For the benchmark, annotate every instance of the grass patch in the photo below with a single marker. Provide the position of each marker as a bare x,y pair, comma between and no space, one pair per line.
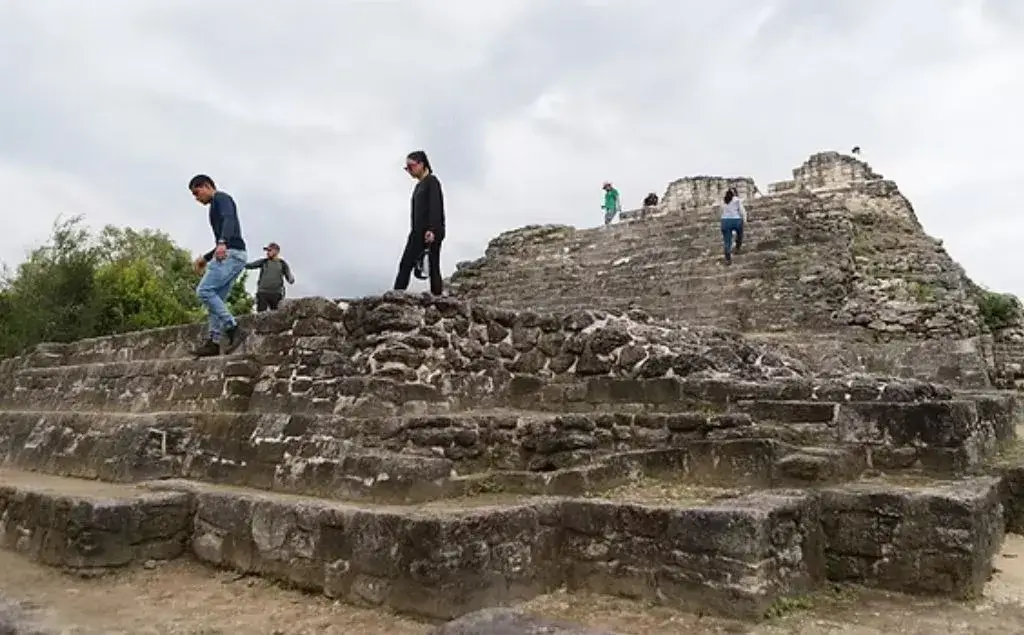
833,595
922,293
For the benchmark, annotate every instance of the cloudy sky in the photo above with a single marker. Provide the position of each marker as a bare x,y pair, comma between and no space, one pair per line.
304,110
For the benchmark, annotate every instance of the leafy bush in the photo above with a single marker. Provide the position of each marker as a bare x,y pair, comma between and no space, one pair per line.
998,310
79,285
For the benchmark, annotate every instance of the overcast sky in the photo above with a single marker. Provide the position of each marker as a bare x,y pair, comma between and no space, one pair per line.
304,110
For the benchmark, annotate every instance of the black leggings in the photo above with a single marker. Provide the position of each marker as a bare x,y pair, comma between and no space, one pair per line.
413,249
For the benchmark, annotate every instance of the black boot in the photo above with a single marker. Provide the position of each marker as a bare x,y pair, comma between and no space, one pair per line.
232,338
209,348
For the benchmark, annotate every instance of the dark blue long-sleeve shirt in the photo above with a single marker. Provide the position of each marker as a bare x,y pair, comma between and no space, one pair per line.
224,221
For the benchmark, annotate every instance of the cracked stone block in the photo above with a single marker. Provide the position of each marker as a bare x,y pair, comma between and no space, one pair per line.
113,526
938,539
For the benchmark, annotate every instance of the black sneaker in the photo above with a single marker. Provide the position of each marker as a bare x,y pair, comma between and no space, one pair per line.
231,339
209,348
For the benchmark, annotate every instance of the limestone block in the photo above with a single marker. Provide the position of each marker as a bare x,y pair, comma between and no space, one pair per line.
91,531
934,540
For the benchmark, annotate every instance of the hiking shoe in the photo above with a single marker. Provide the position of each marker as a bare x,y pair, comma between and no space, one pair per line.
232,339
209,348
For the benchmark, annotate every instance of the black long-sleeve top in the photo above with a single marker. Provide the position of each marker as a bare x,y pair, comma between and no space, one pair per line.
428,207
224,221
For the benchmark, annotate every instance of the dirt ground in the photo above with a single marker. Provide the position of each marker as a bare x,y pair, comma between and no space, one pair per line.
184,598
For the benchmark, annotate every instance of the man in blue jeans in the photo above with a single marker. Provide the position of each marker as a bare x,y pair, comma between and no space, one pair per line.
222,267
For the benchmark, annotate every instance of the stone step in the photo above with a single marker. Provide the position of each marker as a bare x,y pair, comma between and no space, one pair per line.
86,525
299,318
807,465
684,231
731,552
442,560
223,383
690,390
405,459
393,459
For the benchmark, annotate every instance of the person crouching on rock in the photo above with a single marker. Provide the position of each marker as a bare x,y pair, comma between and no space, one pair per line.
274,270
220,266
427,224
734,215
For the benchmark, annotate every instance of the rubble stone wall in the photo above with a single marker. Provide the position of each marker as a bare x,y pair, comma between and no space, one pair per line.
374,354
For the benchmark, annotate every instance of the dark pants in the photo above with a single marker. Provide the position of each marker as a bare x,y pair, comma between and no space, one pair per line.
267,300
413,249
730,225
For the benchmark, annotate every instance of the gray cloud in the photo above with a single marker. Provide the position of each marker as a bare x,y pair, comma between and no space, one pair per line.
305,110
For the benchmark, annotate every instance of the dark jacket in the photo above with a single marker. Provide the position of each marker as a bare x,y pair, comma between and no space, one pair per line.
225,224
428,207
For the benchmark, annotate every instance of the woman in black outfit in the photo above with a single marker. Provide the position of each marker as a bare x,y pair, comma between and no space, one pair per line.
427,223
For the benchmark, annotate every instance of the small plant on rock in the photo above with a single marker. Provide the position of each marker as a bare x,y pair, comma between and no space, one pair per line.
998,310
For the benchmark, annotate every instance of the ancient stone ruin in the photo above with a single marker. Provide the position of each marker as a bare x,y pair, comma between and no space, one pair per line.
444,458
838,271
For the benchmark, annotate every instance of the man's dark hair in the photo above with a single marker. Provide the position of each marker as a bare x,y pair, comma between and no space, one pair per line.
200,180
419,156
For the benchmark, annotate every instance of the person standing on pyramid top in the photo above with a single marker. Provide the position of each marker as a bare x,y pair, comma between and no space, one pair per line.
221,267
427,224
611,205
274,271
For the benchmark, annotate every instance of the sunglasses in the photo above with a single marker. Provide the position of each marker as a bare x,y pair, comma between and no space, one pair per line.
409,166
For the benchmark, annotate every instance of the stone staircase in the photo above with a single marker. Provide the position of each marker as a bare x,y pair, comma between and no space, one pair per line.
672,265
436,457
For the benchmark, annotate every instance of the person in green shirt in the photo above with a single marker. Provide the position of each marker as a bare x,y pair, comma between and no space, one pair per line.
273,273
611,206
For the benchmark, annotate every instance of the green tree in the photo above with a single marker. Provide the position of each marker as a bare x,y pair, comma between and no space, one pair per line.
78,284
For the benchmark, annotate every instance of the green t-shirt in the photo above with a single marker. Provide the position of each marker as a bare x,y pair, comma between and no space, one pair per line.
611,199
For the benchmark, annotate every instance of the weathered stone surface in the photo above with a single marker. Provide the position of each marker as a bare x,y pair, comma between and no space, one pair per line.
735,556
99,527
518,420
511,622
664,553
14,621
836,252
939,539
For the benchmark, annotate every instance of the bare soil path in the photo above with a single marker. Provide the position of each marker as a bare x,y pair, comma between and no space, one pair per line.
184,598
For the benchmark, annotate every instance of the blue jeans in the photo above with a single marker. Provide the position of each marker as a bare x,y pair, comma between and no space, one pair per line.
215,286
730,225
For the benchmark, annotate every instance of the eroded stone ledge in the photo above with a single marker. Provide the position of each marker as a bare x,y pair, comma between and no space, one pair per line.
82,525
735,554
